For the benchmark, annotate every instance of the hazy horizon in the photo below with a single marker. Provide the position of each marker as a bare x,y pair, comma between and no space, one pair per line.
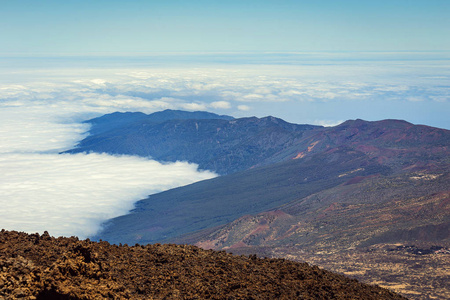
322,88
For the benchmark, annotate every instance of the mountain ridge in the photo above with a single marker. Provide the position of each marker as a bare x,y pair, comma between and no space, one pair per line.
310,193
116,119
220,145
226,146
272,162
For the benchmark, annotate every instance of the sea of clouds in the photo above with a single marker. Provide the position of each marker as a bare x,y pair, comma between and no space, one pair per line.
44,101
73,194
42,190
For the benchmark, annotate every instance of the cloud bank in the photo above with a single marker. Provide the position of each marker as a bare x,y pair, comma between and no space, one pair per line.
300,92
73,194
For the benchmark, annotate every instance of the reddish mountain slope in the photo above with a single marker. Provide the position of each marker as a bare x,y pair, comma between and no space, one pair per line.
357,228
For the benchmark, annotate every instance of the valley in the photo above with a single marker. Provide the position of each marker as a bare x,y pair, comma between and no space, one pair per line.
415,276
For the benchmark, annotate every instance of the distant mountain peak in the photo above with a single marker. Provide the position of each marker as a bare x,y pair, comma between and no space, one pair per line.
116,120
170,114
393,123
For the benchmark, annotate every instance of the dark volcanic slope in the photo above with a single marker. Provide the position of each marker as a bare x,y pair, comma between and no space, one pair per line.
116,120
216,143
226,145
41,267
364,211
297,161
223,199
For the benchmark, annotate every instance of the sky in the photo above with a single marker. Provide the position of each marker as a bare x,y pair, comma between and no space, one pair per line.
307,62
102,26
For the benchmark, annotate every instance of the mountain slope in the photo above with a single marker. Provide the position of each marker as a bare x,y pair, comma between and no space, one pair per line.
300,162
213,142
391,230
337,196
116,120
221,200
363,211
226,146
391,142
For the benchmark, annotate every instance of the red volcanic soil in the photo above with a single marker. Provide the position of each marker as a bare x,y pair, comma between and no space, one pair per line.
42,267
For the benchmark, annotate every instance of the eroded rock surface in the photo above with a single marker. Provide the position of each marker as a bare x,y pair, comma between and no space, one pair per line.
42,267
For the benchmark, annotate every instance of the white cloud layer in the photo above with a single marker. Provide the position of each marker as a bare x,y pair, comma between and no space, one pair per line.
254,89
327,123
70,194
73,194
243,107
220,104
38,129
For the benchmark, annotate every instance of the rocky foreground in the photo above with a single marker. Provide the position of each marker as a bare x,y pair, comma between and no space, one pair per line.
42,267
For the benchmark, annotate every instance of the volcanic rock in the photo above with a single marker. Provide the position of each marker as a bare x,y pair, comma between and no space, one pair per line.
34,266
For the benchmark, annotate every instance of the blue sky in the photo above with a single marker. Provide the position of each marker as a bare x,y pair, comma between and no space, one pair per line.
86,26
